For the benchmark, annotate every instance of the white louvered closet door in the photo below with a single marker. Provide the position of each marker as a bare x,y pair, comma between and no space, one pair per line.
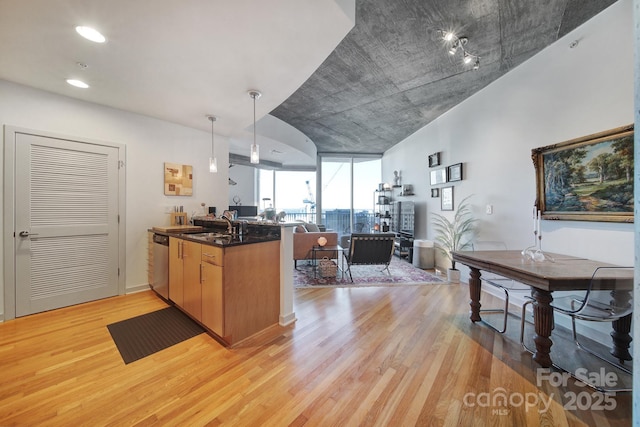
66,223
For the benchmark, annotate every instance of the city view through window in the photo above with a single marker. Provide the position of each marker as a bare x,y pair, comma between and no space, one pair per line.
295,193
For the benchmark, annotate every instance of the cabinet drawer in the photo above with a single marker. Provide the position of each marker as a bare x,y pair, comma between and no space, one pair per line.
212,255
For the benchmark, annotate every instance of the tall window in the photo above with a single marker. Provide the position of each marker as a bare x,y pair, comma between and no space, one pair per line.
290,191
336,194
295,194
347,193
367,174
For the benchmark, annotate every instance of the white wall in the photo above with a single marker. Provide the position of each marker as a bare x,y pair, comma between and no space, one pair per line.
559,94
245,189
149,143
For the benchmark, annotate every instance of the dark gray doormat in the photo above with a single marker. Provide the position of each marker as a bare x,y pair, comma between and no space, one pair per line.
149,333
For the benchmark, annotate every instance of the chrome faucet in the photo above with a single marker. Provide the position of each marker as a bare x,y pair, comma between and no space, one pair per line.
229,224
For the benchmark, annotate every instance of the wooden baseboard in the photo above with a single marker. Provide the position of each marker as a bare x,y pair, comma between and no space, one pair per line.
137,288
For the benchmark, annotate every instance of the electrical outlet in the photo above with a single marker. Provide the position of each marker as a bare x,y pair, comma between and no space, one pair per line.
489,209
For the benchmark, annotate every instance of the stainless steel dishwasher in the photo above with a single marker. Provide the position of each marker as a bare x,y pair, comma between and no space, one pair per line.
161,265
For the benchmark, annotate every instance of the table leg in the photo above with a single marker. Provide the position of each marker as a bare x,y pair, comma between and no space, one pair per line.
474,292
543,320
621,338
314,263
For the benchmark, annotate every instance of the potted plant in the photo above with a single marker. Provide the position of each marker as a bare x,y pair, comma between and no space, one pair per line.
455,235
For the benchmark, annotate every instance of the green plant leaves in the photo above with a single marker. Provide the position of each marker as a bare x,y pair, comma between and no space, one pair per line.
457,234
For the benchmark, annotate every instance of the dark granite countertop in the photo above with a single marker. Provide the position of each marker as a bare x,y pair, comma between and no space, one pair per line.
215,234
226,240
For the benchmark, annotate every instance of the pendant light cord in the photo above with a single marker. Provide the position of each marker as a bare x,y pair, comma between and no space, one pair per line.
212,119
254,156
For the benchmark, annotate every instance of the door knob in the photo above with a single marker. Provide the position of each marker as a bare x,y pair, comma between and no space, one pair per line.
26,234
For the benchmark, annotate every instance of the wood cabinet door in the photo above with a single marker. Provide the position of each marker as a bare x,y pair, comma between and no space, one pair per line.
212,298
191,256
176,272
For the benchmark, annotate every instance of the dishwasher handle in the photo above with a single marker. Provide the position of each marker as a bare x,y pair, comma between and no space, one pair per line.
161,239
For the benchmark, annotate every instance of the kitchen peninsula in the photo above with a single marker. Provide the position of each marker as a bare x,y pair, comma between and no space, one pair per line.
227,282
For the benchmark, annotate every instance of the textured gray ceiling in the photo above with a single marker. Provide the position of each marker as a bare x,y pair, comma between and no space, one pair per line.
391,75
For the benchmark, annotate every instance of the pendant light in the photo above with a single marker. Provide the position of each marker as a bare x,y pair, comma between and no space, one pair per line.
213,162
255,150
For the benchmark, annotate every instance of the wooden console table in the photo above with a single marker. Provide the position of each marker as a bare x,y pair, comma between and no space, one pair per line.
563,274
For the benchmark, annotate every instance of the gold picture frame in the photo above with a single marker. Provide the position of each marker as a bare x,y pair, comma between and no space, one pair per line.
588,178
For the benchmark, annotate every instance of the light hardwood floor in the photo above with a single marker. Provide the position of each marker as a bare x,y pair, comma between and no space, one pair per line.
398,356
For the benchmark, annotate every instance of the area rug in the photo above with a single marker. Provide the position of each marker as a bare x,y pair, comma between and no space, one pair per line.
149,333
402,273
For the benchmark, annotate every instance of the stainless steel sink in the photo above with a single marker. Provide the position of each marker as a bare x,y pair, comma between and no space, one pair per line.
210,237
207,235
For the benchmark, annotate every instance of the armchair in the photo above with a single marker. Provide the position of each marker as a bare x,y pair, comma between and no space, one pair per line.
370,249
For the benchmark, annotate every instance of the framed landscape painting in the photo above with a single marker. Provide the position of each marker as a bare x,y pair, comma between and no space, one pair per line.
588,178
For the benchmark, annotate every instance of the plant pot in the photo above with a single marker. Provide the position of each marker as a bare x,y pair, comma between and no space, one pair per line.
453,275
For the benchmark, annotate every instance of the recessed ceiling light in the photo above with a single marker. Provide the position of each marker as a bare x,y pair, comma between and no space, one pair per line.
91,34
77,83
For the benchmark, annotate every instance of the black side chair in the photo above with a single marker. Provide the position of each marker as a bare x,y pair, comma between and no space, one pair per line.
609,297
370,249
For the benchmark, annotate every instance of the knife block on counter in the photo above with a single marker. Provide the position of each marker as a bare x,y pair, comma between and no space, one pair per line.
178,218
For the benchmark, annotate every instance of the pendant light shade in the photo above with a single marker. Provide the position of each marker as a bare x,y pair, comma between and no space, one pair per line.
213,162
255,149
255,153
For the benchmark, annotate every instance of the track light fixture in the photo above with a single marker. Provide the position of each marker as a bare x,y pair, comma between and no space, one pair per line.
456,44
255,150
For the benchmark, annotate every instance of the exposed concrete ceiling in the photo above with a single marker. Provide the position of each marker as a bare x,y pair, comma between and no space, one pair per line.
392,75
389,75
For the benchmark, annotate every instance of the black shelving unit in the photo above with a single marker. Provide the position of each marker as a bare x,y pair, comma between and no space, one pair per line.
382,210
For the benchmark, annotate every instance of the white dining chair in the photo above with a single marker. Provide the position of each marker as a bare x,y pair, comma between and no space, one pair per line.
609,297
504,284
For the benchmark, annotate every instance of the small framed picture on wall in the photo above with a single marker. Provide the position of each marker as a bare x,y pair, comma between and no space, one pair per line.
435,192
454,172
438,176
434,160
446,199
